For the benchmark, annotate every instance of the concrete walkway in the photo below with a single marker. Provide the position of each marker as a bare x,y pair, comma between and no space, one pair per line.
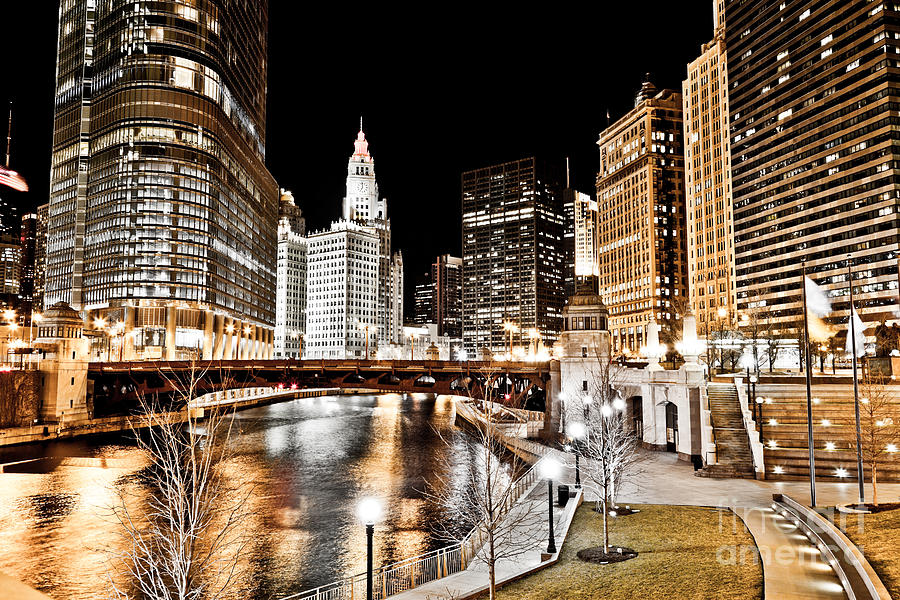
792,567
532,531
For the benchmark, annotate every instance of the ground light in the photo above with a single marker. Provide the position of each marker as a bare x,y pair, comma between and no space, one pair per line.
369,511
549,470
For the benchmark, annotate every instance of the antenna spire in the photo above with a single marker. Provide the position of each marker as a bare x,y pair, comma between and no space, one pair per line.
360,122
9,134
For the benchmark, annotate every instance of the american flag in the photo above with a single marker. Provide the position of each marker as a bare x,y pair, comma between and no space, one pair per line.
13,180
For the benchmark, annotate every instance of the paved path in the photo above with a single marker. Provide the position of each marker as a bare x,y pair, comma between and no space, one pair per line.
531,531
792,567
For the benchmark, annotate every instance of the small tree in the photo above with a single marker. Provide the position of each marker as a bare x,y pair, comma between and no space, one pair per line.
880,433
185,544
608,444
483,498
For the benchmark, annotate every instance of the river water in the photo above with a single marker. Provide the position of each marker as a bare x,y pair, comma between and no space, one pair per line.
310,462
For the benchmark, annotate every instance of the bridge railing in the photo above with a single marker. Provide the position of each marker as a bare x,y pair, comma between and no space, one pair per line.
412,572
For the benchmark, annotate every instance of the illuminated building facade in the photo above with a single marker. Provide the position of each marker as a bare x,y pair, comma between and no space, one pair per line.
342,291
40,255
162,213
345,296
640,198
27,244
438,297
707,156
513,258
290,291
813,96
587,247
568,210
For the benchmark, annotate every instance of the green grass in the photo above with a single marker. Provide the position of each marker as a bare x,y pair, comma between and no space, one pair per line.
682,553
878,540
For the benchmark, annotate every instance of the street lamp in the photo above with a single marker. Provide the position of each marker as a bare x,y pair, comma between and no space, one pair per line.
577,431
722,313
550,470
534,335
587,406
368,511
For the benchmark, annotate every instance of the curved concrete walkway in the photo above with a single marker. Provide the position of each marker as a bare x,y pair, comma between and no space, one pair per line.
792,567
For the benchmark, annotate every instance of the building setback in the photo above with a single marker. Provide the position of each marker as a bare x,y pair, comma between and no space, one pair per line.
162,213
710,219
512,255
814,89
640,197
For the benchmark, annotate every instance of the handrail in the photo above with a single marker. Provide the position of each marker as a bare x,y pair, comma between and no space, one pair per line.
415,571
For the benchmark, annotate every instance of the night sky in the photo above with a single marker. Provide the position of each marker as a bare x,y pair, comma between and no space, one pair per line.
440,92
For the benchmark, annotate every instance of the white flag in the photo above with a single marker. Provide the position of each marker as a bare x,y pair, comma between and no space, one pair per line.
816,300
859,340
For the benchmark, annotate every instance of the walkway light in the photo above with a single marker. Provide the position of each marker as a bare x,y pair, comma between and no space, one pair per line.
368,511
829,446
606,410
549,469
576,431
619,404
826,423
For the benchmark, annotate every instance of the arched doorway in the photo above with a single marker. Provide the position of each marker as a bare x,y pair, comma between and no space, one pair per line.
671,427
636,414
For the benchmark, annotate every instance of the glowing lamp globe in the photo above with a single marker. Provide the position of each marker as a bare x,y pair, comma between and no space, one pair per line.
606,409
619,404
577,430
550,468
368,510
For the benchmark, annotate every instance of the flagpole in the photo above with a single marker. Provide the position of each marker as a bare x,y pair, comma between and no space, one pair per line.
860,474
809,425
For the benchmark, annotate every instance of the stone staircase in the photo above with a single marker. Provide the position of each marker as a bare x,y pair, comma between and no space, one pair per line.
735,459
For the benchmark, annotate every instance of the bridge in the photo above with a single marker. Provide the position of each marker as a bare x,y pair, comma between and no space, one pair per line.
114,386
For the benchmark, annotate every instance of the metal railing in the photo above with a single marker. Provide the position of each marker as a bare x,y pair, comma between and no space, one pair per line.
412,572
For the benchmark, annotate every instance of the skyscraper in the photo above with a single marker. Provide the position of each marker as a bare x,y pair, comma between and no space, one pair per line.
354,280
438,297
707,166
640,197
162,212
512,240
291,287
27,243
587,248
813,96
40,255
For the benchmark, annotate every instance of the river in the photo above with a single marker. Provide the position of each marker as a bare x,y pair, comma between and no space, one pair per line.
310,461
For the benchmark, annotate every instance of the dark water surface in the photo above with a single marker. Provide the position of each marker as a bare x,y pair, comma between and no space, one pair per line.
310,460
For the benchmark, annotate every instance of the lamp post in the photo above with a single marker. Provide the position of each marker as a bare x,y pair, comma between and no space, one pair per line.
368,511
759,402
587,406
577,431
550,471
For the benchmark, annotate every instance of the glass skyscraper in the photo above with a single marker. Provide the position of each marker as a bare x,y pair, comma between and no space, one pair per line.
162,212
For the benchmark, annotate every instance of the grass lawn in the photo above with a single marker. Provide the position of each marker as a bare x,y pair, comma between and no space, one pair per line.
878,539
678,557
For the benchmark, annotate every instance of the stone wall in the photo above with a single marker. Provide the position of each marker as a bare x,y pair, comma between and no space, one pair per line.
20,398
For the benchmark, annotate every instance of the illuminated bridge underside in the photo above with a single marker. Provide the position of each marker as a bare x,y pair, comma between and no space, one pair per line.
122,383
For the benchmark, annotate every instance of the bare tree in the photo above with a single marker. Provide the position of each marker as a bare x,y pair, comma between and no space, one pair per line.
880,434
609,444
184,543
484,500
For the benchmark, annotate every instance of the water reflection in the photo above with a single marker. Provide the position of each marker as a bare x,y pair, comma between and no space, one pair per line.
309,462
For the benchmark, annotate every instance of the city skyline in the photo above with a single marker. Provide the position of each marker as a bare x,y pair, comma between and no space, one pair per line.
407,117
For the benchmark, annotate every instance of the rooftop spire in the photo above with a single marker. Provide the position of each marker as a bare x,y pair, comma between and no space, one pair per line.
361,146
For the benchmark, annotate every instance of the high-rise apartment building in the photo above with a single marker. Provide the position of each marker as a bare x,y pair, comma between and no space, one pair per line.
27,242
512,236
640,198
291,286
707,167
813,94
568,211
340,306
40,255
162,212
424,300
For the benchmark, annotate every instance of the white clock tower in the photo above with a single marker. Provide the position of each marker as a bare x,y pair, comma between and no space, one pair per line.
361,201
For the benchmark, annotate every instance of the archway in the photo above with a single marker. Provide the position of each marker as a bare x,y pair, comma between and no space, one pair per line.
671,427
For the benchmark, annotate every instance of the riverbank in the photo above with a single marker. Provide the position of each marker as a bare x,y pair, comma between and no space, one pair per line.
235,399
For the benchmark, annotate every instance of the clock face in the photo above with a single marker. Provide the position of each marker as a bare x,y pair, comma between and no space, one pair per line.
362,187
